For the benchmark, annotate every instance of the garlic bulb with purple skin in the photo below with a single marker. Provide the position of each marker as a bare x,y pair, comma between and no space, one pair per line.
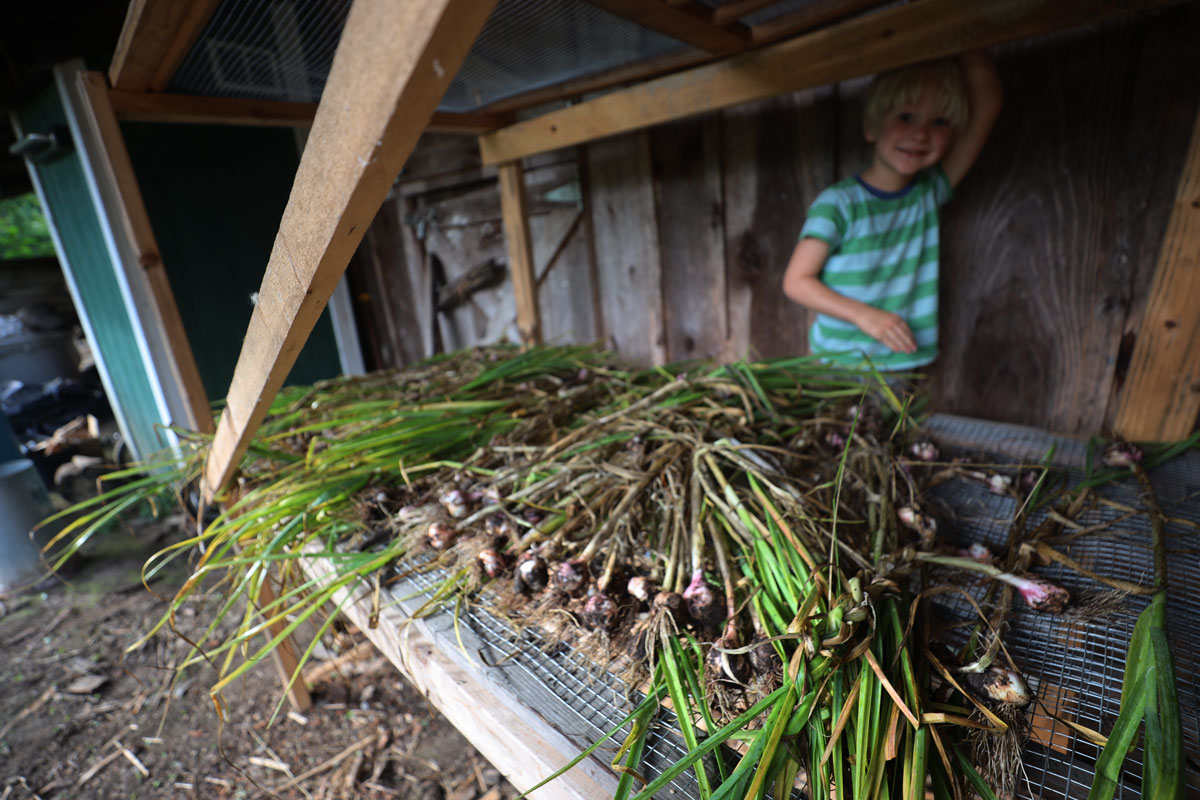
925,525
571,577
999,484
491,561
924,450
641,588
670,603
1040,595
532,573
1000,684
440,535
705,605
455,503
599,612
1121,454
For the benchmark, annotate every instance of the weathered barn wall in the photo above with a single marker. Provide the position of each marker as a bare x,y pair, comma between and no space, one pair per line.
684,231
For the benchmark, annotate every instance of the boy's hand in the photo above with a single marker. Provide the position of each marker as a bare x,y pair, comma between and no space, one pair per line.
887,328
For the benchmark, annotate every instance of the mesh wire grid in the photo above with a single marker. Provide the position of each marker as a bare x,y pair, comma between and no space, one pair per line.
1076,667
283,50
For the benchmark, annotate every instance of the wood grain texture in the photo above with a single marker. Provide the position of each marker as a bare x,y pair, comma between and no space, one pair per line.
1161,396
882,40
514,210
1043,258
154,40
778,156
159,107
691,224
391,69
166,337
484,704
680,23
627,251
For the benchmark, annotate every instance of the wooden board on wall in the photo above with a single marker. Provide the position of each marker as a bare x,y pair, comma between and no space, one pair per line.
687,189
621,204
1046,256
778,154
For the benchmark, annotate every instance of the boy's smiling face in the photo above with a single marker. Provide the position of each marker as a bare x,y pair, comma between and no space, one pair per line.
911,137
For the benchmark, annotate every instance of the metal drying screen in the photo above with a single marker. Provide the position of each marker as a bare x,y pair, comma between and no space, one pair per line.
1076,667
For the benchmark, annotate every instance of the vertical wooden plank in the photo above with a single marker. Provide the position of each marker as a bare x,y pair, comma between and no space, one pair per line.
566,285
392,67
778,154
283,655
687,181
621,206
136,244
1161,396
520,250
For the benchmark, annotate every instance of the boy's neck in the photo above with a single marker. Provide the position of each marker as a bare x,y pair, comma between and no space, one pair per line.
880,176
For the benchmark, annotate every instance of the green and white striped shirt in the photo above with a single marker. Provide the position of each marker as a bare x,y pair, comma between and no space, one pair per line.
883,251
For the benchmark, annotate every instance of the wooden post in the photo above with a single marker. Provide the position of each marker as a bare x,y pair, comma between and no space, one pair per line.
393,64
1161,396
284,655
520,250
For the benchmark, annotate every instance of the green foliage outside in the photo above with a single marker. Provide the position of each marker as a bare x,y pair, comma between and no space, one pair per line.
23,229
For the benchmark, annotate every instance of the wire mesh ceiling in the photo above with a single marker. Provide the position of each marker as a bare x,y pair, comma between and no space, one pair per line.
252,49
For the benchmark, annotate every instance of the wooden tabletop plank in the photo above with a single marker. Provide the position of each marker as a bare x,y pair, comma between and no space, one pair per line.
886,39
392,66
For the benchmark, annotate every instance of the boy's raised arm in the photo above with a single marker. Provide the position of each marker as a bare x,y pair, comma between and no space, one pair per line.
986,95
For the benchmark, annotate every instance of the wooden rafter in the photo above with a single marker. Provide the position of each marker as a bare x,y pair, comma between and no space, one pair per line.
154,41
688,23
736,9
883,40
181,108
393,64
808,17
1161,396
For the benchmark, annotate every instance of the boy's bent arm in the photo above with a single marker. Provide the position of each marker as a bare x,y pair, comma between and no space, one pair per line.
802,284
985,95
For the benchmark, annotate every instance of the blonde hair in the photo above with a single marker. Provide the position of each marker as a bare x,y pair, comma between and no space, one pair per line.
899,87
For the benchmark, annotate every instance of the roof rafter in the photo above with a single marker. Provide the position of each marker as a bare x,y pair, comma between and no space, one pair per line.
688,22
154,41
886,39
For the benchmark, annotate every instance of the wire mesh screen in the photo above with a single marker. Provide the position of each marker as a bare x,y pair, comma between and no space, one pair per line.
284,50
1075,665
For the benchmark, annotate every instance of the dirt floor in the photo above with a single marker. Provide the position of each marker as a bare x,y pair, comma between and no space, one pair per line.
81,718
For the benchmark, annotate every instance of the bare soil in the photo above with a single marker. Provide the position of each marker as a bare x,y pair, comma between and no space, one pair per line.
82,718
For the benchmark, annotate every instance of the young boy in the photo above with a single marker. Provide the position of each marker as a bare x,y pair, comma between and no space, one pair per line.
867,259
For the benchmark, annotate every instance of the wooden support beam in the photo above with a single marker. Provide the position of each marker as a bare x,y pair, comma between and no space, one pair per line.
808,17
736,9
154,41
1161,396
184,108
889,38
283,655
172,353
682,23
392,66
520,250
